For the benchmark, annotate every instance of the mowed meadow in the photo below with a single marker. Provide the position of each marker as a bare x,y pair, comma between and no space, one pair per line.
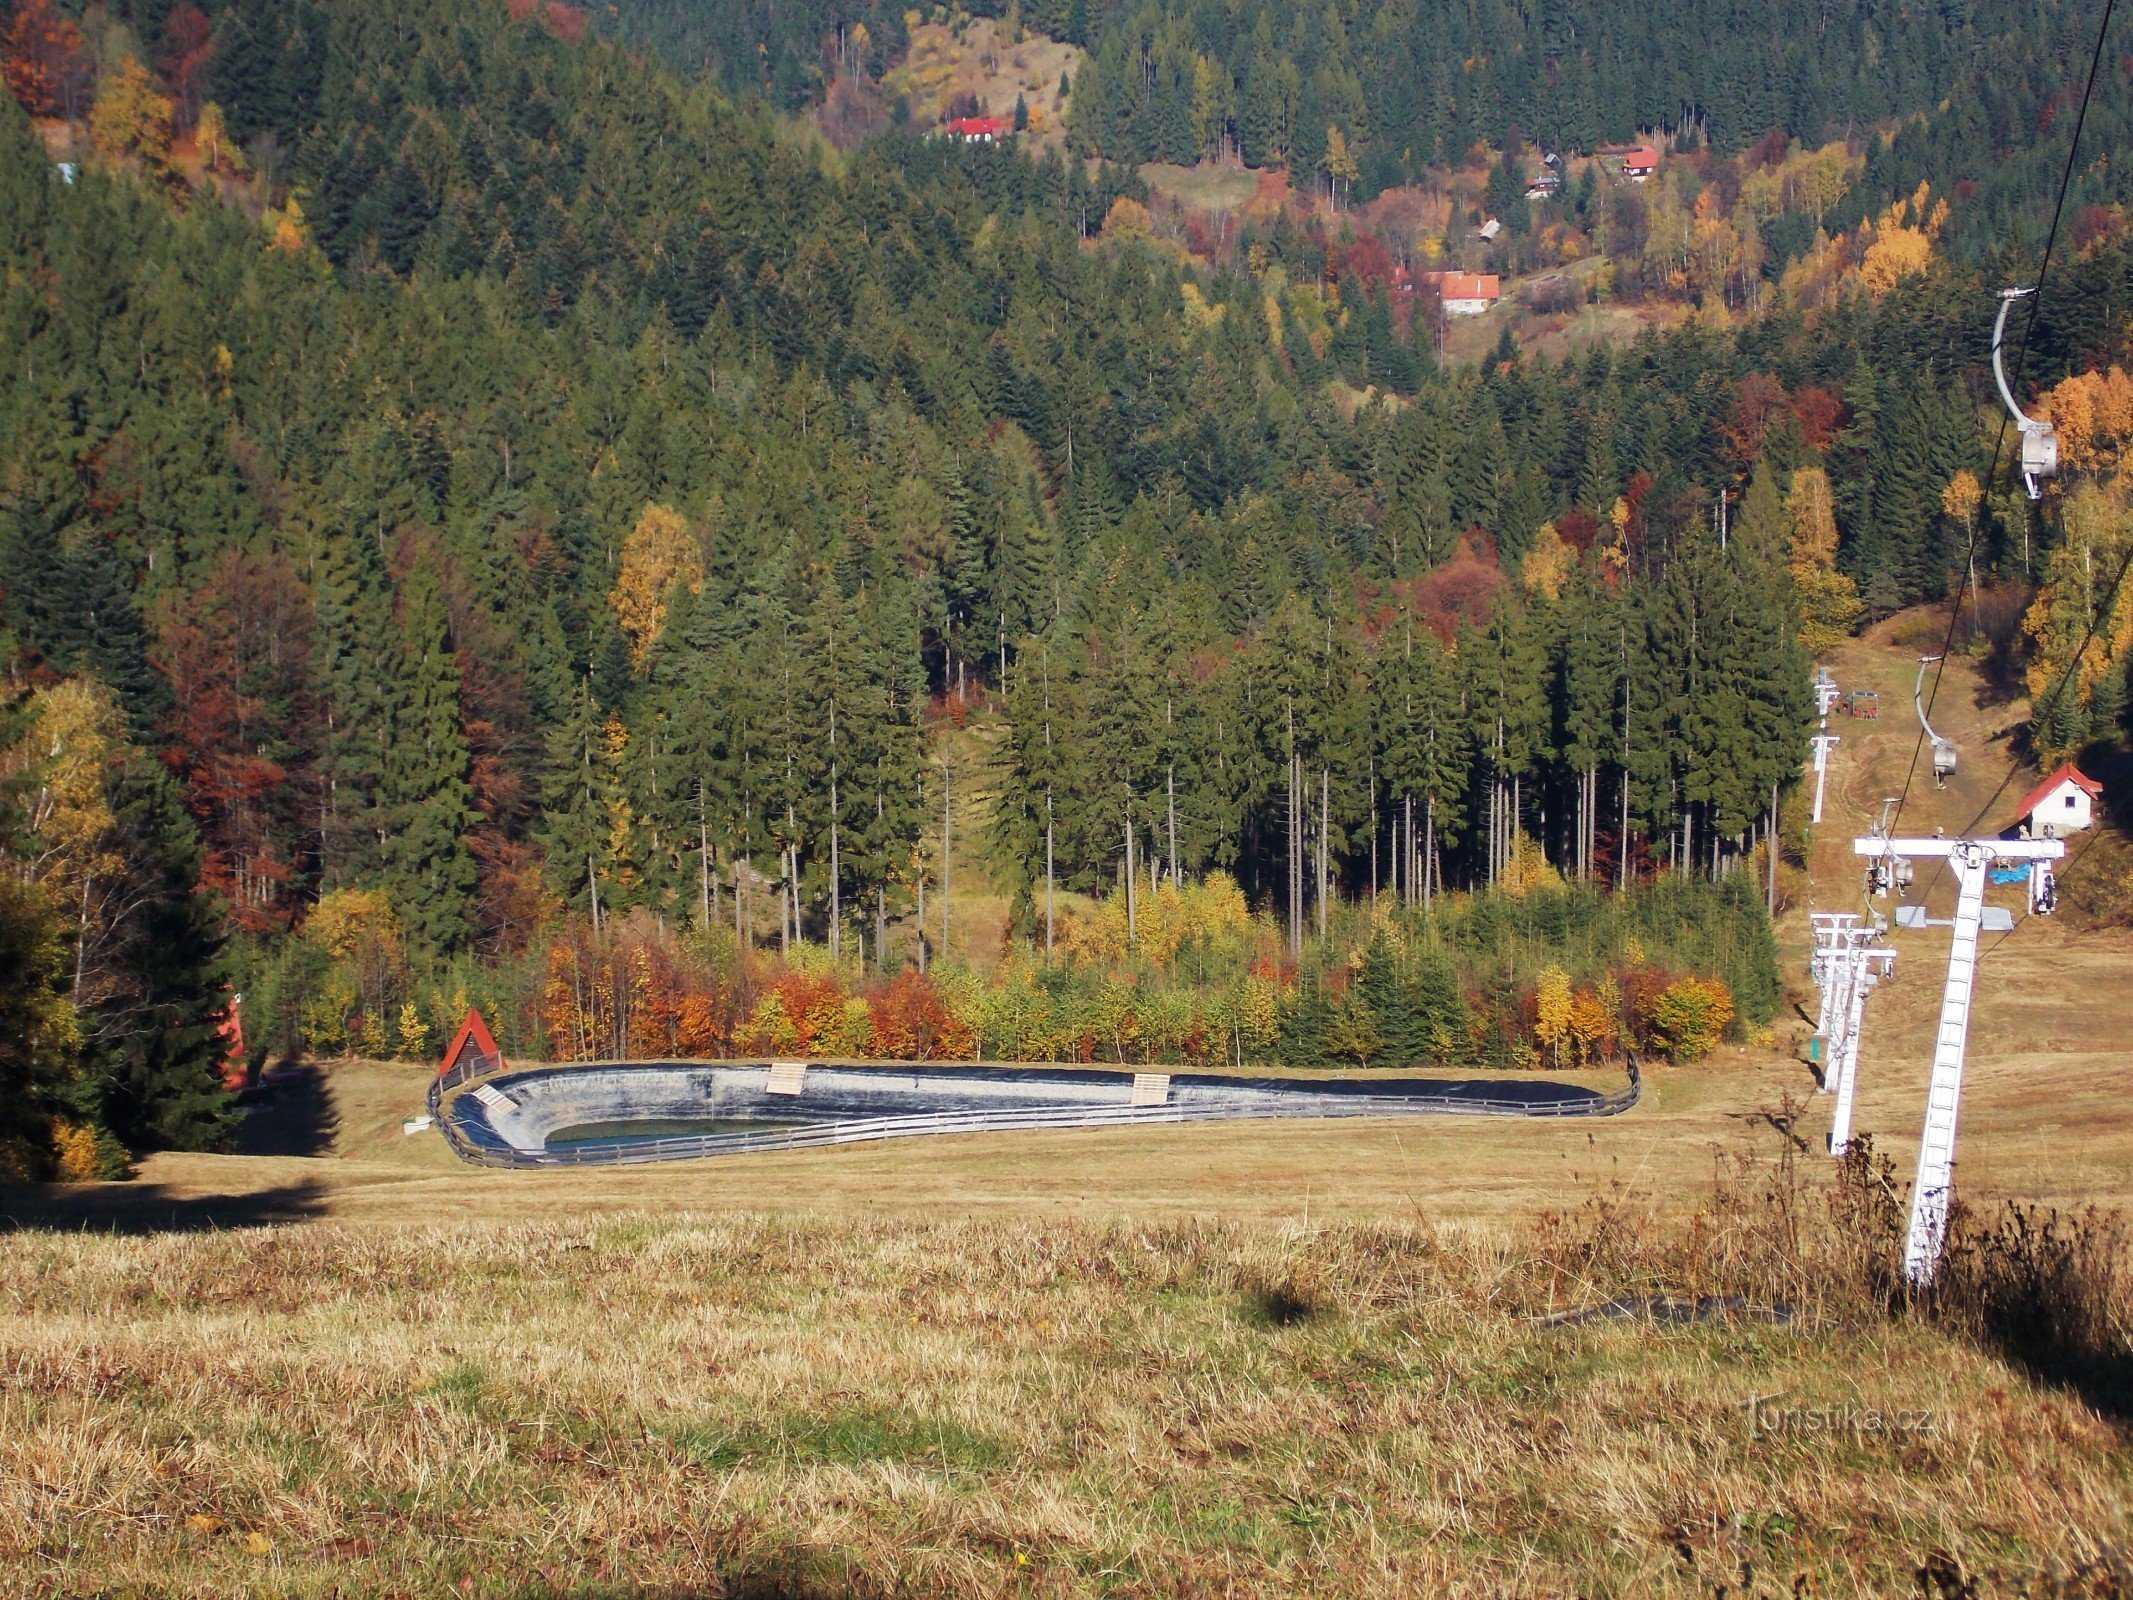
670,1404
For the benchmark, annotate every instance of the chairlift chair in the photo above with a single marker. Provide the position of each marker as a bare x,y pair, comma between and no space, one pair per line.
2040,446
1943,749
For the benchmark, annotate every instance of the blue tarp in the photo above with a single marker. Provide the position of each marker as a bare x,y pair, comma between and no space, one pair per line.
2010,874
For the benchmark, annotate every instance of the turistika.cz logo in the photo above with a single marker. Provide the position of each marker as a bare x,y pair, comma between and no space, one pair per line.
1772,1416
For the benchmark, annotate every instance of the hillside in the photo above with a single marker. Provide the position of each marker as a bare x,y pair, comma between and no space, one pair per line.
615,517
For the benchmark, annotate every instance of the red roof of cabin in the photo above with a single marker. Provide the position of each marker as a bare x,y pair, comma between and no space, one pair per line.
473,1035
2067,773
1464,285
977,127
1643,156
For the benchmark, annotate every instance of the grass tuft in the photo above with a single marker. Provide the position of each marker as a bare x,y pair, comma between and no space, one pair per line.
1283,1304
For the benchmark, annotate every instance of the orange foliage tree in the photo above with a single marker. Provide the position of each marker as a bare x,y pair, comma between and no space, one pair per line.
912,1022
41,58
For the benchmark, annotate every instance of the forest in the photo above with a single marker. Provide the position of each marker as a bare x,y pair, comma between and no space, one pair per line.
486,515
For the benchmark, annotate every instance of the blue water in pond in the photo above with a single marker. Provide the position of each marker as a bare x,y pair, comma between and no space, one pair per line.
605,1133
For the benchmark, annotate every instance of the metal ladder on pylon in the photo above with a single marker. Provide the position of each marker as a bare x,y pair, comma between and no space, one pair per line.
1936,1145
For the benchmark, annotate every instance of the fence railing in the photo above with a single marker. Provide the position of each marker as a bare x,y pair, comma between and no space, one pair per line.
861,1130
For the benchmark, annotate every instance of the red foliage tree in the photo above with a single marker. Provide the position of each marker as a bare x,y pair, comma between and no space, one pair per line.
238,654
1757,403
1819,414
187,43
1463,589
42,59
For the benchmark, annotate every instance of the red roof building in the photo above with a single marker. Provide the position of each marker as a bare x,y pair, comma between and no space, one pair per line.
2063,803
1465,294
976,130
1640,163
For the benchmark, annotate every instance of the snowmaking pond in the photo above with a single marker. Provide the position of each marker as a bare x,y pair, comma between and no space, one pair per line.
630,1111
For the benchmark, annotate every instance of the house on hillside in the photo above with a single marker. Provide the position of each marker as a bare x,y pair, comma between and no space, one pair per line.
1543,185
2063,803
975,130
1465,294
1640,163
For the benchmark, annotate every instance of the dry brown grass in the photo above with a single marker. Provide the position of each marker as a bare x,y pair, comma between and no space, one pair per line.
749,1404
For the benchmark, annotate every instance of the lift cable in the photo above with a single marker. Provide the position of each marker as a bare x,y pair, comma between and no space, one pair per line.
2036,301
2066,673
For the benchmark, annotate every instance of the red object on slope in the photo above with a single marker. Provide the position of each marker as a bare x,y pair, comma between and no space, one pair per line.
472,1039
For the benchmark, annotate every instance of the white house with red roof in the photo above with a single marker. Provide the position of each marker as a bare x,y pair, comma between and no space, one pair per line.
2063,803
1640,163
976,130
1465,294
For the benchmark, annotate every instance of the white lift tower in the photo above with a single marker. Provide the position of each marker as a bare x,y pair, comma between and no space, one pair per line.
1826,696
1971,861
1847,963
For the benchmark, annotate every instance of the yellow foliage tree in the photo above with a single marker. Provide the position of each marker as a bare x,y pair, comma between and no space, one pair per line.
1829,600
211,137
414,1033
73,740
1892,255
660,552
287,231
2076,583
130,118
1127,219
1547,565
1552,1011
344,920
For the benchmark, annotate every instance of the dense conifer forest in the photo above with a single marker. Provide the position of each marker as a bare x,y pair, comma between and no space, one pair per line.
487,514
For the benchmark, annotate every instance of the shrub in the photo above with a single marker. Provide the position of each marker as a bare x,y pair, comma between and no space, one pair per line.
910,1021
1687,1018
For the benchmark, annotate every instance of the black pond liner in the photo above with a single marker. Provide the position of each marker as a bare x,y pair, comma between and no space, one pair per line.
583,1115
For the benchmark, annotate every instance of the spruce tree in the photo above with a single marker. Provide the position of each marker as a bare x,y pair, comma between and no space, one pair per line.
427,798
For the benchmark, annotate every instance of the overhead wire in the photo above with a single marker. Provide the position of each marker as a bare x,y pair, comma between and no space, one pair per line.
2029,323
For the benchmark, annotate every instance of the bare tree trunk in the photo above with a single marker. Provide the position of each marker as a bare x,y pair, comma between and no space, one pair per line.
1048,874
836,861
1132,881
1171,781
947,845
1622,844
1325,844
1429,850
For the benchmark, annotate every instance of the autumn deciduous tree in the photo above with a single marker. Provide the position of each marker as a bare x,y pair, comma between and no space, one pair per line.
659,552
41,58
132,117
238,654
211,137
2092,412
1829,599
188,41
